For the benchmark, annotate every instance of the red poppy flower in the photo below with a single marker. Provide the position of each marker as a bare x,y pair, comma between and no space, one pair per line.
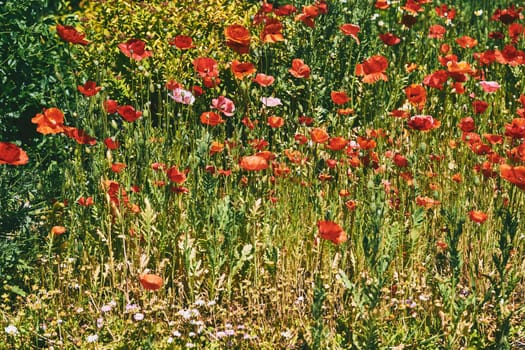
128,113
197,91
493,138
436,31
295,156
11,154
366,143
71,35
445,12
111,143
80,136
268,155
206,67
253,163
50,122
110,106
175,175
373,69
308,14
515,175
400,160
216,147
182,42
242,69
150,281
382,4
479,106
517,154
399,113
389,39
466,42
211,118
477,216
319,135
272,31
436,80
85,202
275,122
416,95
285,10
515,31
516,129
337,143
134,49
351,204
238,38
351,30
467,124
331,231
299,69
423,122
117,167
90,88
339,97
508,15
413,6
263,79
305,120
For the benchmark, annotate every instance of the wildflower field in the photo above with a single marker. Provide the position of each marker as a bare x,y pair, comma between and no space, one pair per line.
235,174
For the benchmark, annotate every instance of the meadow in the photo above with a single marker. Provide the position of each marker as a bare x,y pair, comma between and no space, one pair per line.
302,174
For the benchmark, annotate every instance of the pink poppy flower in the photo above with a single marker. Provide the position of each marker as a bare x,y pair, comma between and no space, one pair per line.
224,105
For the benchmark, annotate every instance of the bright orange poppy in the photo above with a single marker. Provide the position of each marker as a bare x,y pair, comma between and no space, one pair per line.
216,147
275,121
150,281
58,230
253,163
466,42
118,167
416,95
477,216
211,118
319,135
513,174
272,31
516,129
373,69
50,122
337,143
238,38
331,231
339,97
242,69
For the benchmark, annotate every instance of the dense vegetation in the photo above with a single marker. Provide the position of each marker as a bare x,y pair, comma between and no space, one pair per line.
235,174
